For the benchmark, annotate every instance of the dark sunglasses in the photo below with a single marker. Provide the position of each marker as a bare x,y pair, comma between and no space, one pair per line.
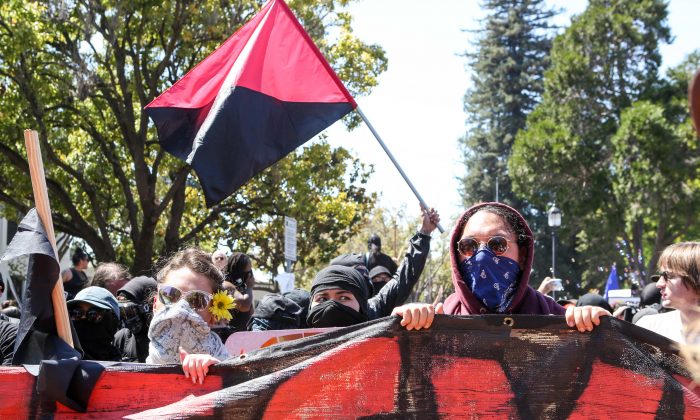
469,245
197,299
91,315
667,275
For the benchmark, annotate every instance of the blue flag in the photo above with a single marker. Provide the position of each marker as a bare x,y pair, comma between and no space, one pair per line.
612,282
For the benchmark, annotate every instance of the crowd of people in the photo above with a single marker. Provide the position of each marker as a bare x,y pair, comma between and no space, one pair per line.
196,299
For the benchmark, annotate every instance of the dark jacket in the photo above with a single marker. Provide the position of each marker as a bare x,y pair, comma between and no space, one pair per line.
526,300
398,289
374,260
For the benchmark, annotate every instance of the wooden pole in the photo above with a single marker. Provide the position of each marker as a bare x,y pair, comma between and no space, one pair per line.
43,208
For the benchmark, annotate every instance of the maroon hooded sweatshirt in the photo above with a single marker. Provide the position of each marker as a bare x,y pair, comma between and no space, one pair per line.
526,300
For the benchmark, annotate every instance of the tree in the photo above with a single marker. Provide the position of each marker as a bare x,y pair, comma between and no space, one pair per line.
395,227
510,58
611,140
81,71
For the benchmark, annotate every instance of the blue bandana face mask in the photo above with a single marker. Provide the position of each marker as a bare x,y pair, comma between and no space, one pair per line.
493,279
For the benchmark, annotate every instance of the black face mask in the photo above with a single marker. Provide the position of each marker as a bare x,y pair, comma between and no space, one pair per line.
96,338
332,313
377,286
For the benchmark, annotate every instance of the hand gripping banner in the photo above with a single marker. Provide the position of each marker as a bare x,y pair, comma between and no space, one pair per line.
523,366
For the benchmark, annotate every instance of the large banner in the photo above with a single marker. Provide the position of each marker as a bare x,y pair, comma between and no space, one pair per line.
485,366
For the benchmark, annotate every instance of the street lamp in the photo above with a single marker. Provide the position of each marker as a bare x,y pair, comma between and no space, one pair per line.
554,221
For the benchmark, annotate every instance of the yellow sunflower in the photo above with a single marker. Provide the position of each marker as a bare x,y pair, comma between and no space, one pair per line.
221,303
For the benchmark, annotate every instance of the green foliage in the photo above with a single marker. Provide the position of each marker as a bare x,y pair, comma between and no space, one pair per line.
80,72
510,58
611,141
395,227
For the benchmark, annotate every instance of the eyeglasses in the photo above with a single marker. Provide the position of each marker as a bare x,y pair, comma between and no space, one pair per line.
197,299
93,315
666,275
469,245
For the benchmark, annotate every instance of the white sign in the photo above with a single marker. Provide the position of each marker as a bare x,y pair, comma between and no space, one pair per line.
285,281
290,239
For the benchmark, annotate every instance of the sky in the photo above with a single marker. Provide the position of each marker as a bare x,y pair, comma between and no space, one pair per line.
417,107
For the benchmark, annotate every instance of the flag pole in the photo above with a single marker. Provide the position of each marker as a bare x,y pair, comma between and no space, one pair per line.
43,209
393,160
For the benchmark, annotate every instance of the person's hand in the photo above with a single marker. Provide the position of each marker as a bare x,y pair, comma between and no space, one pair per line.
547,285
415,316
620,312
584,318
196,366
431,219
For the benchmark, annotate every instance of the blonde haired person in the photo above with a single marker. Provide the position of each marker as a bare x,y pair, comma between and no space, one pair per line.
679,282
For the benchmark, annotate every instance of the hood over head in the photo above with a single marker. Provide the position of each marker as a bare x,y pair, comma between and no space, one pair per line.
525,300
139,289
341,277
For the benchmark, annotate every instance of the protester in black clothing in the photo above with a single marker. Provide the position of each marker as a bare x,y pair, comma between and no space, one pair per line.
238,277
74,278
95,315
136,309
375,257
340,295
379,276
8,335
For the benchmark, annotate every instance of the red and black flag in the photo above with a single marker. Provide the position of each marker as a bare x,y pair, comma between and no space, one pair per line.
261,94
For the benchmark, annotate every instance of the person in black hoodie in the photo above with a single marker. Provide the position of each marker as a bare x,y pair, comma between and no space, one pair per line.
95,316
136,308
340,295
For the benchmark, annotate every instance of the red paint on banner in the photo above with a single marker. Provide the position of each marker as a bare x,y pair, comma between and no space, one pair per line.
118,394
471,388
16,389
358,380
620,393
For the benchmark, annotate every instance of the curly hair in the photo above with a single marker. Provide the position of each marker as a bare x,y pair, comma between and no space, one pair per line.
196,260
514,223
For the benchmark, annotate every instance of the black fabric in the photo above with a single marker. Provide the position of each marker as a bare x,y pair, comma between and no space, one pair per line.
332,313
251,132
77,283
380,259
349,260
302,298
97,339
650,295
131,347
8,336
139,289
280,308
397,290
345,278
594,299
63,377
356,261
